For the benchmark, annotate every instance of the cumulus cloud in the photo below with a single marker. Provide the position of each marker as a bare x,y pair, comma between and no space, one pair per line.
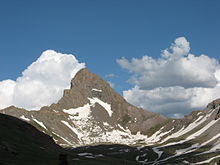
42,83
175,68
6,92
175,83
112,85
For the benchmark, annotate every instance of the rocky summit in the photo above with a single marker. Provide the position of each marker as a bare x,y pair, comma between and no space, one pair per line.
92,113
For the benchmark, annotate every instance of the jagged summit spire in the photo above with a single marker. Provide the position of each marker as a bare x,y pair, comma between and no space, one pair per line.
88,85
84,76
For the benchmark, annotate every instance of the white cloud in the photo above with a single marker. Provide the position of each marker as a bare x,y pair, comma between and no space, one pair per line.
180,48
172,100
6,92
112,85
110,75
175,83
42,83
172,69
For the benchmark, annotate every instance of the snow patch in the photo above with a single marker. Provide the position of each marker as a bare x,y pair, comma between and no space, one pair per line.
24,118
62,139
209,160
103,104
158,135
97,90
79,134
80,112
208,141
193,136
105,124
121,127
216,147
159,153
184,130
84,112
40,123
187,150
55,111
199,118
199,113
85,154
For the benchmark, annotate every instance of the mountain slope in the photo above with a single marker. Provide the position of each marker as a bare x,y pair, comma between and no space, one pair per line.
195,139
91,112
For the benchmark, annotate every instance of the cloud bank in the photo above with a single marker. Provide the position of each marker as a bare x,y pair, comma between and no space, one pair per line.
174,84
42,83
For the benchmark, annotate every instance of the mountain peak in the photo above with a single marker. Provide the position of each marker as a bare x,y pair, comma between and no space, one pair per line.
87,85
92,112
85,79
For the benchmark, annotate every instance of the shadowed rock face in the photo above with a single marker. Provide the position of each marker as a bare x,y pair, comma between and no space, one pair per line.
89,109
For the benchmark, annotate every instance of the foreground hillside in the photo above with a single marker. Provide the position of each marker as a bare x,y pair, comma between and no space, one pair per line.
21,144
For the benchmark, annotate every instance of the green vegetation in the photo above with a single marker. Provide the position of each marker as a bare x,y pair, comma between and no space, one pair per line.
152,130
126,119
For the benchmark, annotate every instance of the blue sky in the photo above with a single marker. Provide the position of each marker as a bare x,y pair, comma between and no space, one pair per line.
99,32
